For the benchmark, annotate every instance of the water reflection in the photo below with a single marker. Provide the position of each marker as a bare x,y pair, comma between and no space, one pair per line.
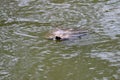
26,55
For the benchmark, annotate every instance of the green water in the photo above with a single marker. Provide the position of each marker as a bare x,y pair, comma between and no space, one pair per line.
26,55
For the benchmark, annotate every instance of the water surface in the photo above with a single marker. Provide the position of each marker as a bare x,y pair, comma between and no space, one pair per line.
26,55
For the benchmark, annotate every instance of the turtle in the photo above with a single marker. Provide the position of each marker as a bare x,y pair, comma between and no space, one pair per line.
65,34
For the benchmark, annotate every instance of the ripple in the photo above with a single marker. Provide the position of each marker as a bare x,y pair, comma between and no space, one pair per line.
110,21
110,56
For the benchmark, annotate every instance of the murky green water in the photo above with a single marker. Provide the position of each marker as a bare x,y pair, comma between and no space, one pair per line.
26,55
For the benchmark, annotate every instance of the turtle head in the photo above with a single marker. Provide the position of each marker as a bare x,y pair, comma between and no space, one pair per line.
57,38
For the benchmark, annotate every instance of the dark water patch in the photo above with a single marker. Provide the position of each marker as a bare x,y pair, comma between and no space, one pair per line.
56,1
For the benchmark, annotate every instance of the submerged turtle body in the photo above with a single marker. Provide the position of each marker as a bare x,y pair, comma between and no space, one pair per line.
62,34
